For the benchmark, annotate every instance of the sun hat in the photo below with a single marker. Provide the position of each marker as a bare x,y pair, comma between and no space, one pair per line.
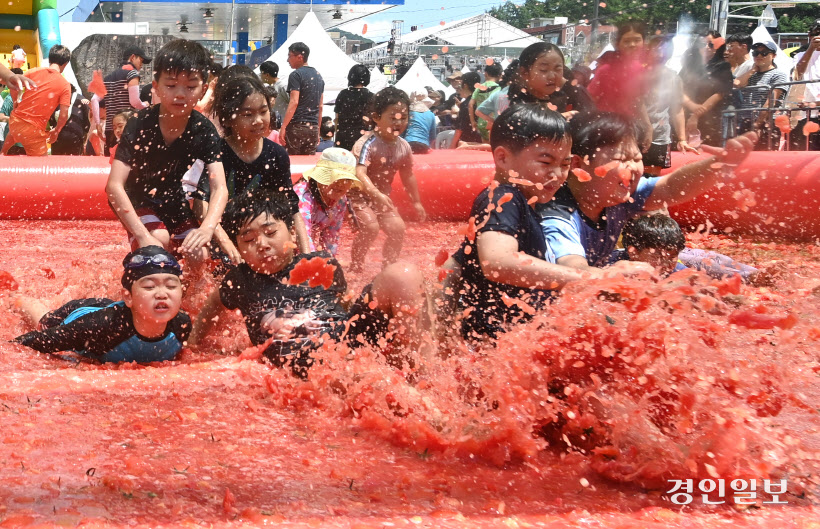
334,164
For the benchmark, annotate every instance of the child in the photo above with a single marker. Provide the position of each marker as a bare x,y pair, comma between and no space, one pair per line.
606,188
659,241
322,193
380,154
146,326
275,117
18,56
157,147
465,129
118,125
421,127
252,162
508,262
295,316
327,131
492,73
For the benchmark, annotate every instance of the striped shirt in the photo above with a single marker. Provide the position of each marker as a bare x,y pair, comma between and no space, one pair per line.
383,159
116,100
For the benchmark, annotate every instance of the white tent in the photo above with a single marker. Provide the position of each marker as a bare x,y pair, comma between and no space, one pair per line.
377,80
784,62
419,76
330,61
505,62
466,69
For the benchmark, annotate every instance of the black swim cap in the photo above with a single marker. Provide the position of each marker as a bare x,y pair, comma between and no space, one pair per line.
147,261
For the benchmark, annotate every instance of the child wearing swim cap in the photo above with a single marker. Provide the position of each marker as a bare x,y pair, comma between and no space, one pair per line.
146,326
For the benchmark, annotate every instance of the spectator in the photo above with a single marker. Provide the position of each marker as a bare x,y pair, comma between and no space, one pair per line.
118,126
492,73
707,85
762,75
738,47
498,102
71,140
18,57
464,127
351,107
6,106
421,129
269,73
123,93
31,114
326,131
582,75
206,104
664,107
275,118
300,126
807,68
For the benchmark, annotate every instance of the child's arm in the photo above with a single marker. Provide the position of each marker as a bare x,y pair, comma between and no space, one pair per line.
692,179
225,242
485,117
302,239
219,197
456,139
371,190
124,208
412,188
206,318
292,104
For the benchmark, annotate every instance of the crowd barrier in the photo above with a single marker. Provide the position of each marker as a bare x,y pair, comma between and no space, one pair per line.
772,193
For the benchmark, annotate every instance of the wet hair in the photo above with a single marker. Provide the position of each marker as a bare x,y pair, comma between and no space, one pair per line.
300,48
387,97
270,68
741,38
125,114
494,70
630,26
59,55
231,98
328,128
601,129
246,206
470,79
182,56
519,127
237,71
658,232
358,75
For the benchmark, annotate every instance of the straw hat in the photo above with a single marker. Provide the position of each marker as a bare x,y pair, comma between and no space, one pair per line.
334,164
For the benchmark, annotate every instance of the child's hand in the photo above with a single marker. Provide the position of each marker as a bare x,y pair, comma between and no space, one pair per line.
736,150
383,201
196,239
52,136
630,268
282,328
230,250
420,213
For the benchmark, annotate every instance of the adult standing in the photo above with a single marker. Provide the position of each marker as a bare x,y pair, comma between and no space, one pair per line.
269,73
123,87
738,48
71,140
762,75
707,85
300,126
807,68
351,107
27,125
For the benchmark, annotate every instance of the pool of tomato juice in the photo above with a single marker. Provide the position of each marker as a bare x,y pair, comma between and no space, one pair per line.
576,419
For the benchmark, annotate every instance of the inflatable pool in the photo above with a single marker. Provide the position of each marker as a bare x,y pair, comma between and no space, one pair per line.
773,193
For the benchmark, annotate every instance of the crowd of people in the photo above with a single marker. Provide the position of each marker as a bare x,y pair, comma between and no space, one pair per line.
201,181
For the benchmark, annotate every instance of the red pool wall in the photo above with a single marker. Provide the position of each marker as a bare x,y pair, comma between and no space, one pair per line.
786,187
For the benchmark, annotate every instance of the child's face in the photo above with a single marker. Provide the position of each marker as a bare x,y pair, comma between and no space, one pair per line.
157,297
611,189
662,260
544,163
334,192
266,245
393,121
545,76
631,42
252,120
179,92
118,126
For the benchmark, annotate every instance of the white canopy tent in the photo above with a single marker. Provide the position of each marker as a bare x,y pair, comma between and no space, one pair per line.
377,80
330,61
420,76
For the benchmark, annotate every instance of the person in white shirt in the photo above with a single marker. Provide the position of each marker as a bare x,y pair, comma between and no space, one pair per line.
738,47
807,68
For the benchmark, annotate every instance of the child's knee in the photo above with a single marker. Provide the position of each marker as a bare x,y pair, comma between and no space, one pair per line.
368,230
394,227
399,282
162,236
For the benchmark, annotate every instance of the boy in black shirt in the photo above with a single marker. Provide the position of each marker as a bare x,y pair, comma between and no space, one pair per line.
464,127
158,146
292,319
147,326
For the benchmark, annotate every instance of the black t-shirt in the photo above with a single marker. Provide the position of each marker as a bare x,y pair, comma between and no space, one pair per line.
104,330
351,106
155,180
568,97
468,133
256,295
269,172
516,218
310,86
78,123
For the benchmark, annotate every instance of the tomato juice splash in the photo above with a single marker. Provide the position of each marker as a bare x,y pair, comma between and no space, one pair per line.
626,383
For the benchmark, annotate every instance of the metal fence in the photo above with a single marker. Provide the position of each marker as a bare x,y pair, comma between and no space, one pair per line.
733,117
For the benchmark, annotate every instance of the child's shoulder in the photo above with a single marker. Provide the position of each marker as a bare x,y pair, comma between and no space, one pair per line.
273,149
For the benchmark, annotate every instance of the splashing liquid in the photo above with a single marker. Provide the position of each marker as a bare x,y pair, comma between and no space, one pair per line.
577,417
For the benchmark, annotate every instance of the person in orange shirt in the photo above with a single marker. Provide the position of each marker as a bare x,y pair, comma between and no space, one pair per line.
33,108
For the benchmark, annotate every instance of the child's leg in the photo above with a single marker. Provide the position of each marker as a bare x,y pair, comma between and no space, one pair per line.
399,292
367,229
394,227
31,309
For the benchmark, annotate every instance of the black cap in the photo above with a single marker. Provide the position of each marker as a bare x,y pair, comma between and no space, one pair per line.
135,50
147,261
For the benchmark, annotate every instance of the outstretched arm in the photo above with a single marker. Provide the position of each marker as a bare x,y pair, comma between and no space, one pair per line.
206,318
